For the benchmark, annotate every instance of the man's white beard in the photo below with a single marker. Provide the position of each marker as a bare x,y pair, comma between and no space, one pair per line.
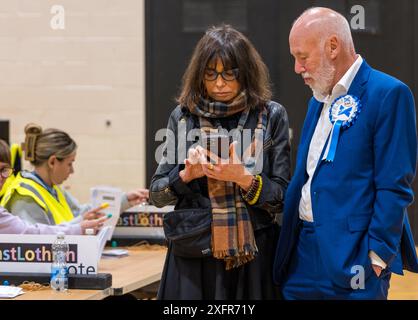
322,79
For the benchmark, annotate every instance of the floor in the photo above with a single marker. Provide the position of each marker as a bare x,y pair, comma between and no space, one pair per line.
404,287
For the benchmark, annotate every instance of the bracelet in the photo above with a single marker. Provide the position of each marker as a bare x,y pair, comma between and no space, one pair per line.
248,195
258,192
252,195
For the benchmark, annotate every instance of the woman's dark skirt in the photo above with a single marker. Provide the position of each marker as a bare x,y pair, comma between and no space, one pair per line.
207,279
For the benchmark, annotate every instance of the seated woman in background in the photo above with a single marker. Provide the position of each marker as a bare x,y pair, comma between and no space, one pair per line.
36,196
16,165
10,224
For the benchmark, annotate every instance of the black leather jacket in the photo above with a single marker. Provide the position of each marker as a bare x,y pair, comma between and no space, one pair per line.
168,189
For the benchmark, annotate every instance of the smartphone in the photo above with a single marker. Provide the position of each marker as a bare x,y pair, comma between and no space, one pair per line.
218,144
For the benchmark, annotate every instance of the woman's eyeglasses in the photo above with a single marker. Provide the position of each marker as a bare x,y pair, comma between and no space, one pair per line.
227,75
6,172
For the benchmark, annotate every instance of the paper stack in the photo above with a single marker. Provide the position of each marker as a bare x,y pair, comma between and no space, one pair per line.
10,292
111,196
115,253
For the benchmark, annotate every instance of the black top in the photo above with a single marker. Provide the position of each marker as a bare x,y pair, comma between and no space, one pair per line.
206,277
167,188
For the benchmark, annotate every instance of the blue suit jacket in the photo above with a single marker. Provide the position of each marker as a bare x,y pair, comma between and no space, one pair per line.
359,201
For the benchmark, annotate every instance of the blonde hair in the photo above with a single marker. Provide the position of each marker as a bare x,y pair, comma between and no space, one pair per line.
40,145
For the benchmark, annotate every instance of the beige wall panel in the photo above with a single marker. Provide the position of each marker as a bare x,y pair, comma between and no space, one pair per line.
88,79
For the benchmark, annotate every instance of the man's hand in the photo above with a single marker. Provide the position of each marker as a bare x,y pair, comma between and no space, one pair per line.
377,269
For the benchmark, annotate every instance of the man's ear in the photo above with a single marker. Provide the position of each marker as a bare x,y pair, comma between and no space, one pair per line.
334,47
51,161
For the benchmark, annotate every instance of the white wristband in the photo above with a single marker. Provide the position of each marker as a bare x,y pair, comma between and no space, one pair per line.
89,232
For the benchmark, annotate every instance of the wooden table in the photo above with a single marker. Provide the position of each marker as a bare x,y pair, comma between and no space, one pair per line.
71,294
139,269
404,287
136,271
142,268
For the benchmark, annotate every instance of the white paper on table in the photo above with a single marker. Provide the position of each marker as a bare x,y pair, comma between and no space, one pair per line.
105,234
115,252
10,292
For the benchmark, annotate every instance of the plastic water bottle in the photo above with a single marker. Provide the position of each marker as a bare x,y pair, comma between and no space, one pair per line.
59,270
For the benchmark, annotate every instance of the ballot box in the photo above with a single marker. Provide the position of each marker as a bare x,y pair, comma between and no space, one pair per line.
29,253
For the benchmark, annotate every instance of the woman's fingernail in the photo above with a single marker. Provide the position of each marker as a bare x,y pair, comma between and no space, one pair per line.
104,205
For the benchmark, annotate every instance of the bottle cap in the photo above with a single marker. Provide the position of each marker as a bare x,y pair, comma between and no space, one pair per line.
5,283
114,244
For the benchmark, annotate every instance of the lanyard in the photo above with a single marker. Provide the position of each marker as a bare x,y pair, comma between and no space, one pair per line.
42,182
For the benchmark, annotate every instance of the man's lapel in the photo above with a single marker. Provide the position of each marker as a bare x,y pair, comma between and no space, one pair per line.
356,89
312,119
359,82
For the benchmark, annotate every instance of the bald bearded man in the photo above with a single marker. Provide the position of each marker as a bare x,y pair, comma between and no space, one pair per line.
345,225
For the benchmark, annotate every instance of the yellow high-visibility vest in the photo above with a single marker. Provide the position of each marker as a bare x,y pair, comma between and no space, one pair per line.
59,211
16,160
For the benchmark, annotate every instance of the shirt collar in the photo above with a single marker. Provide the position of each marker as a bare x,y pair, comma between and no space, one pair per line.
344,84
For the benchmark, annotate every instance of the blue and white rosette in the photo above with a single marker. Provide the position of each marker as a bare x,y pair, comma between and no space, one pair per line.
342,114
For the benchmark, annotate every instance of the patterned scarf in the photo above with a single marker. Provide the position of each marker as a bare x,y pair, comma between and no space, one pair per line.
215,109
232,232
